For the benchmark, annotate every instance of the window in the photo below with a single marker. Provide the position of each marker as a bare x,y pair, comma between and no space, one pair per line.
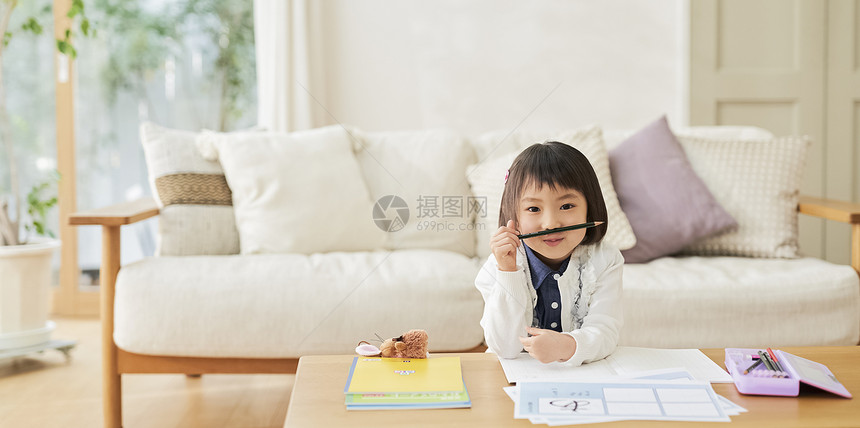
183,64
28,81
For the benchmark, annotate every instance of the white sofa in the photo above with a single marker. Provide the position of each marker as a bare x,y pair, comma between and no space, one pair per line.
217,312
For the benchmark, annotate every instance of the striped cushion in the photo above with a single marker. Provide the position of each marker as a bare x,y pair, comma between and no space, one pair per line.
196,203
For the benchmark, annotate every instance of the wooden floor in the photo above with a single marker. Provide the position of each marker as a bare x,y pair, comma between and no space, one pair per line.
44,391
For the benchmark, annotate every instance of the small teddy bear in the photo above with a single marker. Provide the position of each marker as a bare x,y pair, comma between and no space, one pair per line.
412,344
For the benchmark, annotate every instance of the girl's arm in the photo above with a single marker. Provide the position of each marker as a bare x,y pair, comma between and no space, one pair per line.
507,308
598,335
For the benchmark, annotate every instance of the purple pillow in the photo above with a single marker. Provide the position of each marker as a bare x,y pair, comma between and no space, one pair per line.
668,205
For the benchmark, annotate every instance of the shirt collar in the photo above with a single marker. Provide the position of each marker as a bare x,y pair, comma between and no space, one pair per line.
539,270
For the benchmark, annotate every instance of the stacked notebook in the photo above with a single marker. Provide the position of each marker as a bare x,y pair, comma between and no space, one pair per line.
393,383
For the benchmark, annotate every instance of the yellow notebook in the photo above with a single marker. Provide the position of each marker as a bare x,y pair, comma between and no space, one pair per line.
370,375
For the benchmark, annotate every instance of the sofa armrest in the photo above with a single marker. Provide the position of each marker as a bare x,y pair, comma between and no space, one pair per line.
845,212
111,219
117,215
830,209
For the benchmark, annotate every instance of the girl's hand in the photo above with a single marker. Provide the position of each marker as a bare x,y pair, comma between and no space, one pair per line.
548,345
504,245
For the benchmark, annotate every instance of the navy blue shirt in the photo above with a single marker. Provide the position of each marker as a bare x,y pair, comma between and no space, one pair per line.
545,280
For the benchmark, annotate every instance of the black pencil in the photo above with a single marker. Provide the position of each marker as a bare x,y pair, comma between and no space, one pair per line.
561,229
766,359
754,365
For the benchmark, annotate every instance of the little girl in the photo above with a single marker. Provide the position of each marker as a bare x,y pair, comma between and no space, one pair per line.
557,296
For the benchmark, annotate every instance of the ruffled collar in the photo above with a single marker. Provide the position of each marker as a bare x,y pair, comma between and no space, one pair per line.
587,282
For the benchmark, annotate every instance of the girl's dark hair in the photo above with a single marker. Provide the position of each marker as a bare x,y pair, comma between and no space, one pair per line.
556,165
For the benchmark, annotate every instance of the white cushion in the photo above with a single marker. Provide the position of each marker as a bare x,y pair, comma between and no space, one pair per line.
296,193
196,213
758,183
487,179
289,305
427,171
614,137
717,302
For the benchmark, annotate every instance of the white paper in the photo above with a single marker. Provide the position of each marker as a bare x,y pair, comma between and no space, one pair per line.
561,407
700,410
621,409
676,396
524,367
730,407
629,394
624,361
564,421
630,359
678,374
561,402
625,410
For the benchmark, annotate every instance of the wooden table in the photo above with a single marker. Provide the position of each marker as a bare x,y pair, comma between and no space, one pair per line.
318,401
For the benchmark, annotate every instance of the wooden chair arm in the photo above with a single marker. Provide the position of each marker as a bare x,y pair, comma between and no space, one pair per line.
845,212
831,209
111,219
117,215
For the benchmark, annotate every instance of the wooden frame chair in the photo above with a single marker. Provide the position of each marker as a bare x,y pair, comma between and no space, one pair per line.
116,362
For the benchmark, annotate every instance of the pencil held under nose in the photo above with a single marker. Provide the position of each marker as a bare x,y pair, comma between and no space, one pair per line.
561,229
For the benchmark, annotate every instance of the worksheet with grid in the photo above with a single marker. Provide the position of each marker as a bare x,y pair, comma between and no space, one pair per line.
621,399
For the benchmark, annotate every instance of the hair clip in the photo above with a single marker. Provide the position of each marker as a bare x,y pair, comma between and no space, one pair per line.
507,172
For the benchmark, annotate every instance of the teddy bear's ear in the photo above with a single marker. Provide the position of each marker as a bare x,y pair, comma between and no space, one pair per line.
387,348
367,350
399,346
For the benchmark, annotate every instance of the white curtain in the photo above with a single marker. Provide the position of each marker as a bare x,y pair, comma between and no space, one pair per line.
282,32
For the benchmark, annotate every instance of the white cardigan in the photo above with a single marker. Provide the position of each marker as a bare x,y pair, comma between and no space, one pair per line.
595,321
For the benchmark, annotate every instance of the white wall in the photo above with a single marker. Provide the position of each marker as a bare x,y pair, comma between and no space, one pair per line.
481,65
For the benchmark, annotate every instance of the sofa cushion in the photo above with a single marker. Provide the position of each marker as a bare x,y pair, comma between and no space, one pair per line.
487,179
717,302
769,170
299,192
667,204
289,305
758,183
426,170
196,209
614,137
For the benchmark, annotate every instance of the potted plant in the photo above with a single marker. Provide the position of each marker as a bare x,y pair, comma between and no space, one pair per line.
25,276
26,245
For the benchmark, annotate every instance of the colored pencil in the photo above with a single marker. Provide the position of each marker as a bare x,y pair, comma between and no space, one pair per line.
775,361
561,229
766,360
754,365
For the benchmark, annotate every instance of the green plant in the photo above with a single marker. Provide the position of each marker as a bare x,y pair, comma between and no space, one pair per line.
11,222
41,198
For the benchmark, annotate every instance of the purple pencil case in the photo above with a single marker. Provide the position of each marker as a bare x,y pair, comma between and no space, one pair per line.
798,369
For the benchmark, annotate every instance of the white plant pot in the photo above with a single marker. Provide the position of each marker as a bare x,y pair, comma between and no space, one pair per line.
25,282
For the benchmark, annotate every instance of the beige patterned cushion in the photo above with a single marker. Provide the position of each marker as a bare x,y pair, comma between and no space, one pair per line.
196,207
758,183
487,178
299,192
431,182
